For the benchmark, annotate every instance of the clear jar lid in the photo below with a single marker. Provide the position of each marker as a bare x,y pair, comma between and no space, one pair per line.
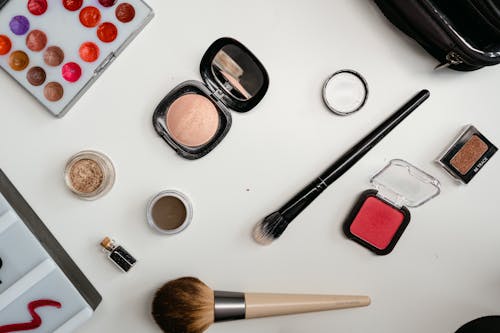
345,92
403,184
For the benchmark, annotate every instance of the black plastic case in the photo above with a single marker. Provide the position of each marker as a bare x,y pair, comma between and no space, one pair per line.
217,92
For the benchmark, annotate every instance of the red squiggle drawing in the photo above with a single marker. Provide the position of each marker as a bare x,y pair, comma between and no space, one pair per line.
36,322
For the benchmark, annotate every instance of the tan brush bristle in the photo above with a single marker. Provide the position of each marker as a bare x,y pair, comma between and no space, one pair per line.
184,305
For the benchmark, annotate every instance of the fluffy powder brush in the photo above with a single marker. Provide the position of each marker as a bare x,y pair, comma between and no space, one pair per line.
187,305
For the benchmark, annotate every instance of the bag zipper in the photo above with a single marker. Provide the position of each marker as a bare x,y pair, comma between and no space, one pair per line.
452,58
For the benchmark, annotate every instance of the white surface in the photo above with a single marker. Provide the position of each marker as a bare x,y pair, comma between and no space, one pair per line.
444,271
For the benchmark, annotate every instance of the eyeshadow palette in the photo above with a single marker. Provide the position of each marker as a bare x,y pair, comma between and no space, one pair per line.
56,49
467,155
41,288
380,216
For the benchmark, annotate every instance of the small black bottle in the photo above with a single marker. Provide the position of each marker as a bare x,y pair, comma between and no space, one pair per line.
117,254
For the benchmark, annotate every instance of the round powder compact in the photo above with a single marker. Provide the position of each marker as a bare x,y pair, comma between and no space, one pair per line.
169,212
192,120
345,92
89,175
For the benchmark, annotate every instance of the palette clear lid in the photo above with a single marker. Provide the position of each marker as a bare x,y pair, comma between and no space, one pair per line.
234,74
403,184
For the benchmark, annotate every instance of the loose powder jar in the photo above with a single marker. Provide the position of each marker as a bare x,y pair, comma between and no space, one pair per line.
89,175
467,155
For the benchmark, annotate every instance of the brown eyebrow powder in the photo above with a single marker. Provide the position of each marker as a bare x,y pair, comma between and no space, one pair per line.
469,154
169,213
86,176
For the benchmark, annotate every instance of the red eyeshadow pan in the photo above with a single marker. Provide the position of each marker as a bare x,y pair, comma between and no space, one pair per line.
376,223
381,215
107,32
125,12
37,7
5,45
89,52
107,3
71,72
72,5
90,17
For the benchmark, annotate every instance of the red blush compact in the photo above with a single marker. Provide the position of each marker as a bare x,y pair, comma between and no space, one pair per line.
380,216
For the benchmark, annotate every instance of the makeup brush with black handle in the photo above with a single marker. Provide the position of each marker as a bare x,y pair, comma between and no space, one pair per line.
187,305
273,226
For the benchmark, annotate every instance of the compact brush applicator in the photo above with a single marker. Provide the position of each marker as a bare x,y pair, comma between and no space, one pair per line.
187,305
273,226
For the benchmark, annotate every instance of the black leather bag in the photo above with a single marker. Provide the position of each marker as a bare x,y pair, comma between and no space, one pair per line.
462,34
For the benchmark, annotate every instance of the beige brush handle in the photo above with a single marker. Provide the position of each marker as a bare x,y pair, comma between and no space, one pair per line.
267,305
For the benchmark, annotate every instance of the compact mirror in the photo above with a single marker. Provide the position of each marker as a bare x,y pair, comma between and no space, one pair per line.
234,74
237,73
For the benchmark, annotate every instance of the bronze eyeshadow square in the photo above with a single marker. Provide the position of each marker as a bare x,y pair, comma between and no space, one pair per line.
467,155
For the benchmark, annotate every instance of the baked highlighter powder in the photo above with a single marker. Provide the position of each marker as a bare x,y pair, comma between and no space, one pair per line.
380,215
467,155
192,120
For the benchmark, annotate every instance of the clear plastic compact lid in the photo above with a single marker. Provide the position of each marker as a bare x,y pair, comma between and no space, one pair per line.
403,184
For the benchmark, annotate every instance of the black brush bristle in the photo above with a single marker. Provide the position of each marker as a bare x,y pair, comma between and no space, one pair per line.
270,229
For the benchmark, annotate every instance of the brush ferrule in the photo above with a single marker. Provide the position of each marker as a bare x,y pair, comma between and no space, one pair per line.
229,306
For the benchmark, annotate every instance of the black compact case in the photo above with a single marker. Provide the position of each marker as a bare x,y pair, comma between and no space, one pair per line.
234,79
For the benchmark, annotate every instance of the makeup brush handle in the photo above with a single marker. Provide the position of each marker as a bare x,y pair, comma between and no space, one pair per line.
302,199
305,197
268,305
